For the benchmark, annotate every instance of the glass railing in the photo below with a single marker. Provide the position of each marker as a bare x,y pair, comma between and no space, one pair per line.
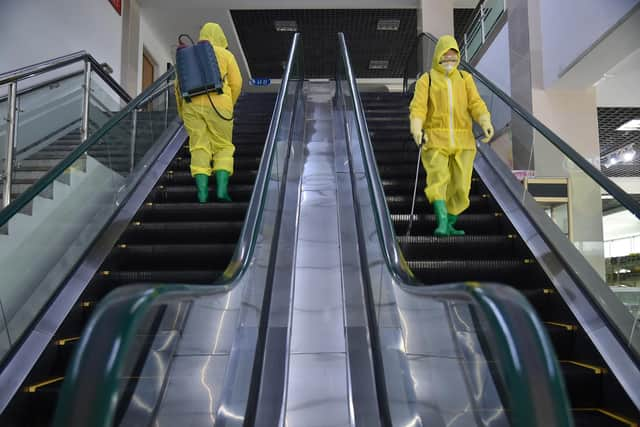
483,341
48,228
481,25
49,115
585,205
104,366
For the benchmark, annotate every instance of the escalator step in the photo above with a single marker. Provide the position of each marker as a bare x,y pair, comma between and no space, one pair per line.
500,271
583,384
402,204
182,232
474,224
117,278
594,417
183,177
478,247
213,211
187,193
170,256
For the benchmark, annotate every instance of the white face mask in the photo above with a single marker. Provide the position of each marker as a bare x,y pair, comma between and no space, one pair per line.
448,62
448,66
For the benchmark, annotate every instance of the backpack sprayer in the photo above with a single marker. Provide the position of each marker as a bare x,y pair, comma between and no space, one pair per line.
198,71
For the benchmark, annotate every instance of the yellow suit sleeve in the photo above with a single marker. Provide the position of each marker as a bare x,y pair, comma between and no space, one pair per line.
477,107
418,106
176,89
234,78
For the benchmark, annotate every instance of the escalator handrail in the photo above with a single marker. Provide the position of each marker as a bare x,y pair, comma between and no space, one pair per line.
60,62
514,353
34,190
118,316
603,181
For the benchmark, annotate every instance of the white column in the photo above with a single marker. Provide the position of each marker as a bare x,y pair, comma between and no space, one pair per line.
573,116
435,17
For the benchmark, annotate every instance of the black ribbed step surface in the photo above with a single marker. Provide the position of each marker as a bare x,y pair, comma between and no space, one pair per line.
491,251
171,239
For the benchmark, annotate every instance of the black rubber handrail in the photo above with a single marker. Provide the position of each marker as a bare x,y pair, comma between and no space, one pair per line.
60,62
94,370
603,181
525,356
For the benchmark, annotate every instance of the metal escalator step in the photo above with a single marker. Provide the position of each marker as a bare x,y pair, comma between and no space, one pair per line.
119,277
182,232
402,204
499,271
183,177
470,223
214,211
584,383
187,193
596,417
170,256
477,247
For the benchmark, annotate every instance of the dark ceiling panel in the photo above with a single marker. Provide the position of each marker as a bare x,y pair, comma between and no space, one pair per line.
266,49
609,119
461,18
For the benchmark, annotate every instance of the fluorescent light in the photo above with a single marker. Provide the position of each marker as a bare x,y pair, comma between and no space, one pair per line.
378,64
388,25
629,155
291,26
633,124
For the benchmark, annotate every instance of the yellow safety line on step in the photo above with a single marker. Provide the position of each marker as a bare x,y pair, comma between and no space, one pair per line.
616,417
548,291
563,325
34,388
66,340
597,369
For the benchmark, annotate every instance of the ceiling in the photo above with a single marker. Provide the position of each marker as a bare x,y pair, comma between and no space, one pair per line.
266,49
609,119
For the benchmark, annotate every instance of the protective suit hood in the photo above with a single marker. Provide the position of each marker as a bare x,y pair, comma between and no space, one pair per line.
213,33
444,44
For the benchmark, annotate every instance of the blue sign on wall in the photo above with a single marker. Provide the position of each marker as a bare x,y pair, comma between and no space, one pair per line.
260,82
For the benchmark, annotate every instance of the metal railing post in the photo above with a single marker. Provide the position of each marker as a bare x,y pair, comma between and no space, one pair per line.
482,22
84,131
11,143
166,107
466,48
134,129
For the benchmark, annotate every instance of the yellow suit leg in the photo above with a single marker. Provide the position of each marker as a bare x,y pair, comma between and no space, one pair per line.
436,165
199,144
220,133
461,170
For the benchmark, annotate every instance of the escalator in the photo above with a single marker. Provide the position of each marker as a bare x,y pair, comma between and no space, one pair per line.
171,238
491,251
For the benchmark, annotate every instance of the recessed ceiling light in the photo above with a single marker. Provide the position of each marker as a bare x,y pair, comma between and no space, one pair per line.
388,25
378,64
630,125
291,26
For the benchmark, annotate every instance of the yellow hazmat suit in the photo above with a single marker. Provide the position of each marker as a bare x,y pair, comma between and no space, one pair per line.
209,134
441,111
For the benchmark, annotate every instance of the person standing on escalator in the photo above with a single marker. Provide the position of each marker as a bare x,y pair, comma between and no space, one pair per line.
445,102
211,129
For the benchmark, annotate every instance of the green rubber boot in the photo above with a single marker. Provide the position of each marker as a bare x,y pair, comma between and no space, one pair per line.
440,209
452,221
202,184
222,182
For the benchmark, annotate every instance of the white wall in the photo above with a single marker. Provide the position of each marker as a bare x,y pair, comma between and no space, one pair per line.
36,30
619,87
495,61
571,27
155,46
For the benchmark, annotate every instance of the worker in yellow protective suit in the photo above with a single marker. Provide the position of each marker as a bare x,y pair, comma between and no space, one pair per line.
445,101
210,130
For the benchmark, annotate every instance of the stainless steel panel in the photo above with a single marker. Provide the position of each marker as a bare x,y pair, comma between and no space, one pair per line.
208,331
317,391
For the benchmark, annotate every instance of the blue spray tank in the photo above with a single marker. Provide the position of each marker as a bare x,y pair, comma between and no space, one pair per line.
198,71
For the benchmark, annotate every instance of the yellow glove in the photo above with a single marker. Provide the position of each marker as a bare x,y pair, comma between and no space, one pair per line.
416,130
487,127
